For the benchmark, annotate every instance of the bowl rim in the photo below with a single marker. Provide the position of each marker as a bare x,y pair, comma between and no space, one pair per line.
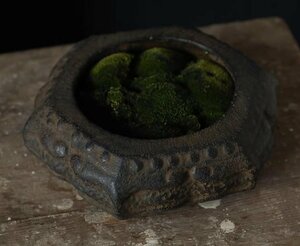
70,68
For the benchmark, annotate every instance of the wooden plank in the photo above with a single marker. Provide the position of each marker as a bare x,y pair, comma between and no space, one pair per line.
36,208
272,217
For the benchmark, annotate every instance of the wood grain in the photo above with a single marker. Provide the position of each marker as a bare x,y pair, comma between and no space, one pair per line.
36,208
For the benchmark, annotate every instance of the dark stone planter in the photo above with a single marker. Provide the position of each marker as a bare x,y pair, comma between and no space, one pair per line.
127,176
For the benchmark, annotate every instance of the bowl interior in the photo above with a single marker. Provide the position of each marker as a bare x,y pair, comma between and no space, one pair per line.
100,116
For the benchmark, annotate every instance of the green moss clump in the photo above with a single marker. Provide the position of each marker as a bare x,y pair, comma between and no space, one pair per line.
160,60
163,93
141,83
161,112
211,88
110,71
116,101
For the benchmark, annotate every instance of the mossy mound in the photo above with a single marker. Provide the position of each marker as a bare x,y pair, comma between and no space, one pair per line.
160,92
111,71
160,60
210,86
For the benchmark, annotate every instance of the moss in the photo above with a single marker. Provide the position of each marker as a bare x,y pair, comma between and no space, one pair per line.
160,60
110,71
210,86
147,98
114,98
141,83
116,101
161,112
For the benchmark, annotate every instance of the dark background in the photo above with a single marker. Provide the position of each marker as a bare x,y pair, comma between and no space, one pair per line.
46,23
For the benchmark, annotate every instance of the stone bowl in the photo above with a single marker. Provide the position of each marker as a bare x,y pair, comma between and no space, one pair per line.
128,176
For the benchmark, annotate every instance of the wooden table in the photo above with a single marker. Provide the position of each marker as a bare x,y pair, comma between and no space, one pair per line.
36,208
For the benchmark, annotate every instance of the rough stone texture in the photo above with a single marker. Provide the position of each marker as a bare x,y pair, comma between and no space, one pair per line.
128,176
38,209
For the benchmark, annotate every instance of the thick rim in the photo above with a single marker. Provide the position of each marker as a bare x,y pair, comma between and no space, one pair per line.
72,65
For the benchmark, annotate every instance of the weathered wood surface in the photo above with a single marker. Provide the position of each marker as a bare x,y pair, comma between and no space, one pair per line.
36,208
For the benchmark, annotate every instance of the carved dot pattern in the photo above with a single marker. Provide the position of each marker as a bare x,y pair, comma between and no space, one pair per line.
136,165
76,163
202,173
60,149
157,163
195,157
229,148
212,152
174,161
105,156
89,146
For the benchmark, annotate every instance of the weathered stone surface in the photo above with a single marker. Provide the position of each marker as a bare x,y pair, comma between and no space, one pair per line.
116,172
